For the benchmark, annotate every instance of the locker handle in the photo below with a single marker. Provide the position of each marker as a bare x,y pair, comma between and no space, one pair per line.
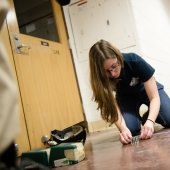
18,45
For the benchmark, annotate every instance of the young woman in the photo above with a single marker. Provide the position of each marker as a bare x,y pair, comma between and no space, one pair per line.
121,83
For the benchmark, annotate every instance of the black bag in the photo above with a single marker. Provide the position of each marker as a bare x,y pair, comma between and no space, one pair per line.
63,2
72,134
25,164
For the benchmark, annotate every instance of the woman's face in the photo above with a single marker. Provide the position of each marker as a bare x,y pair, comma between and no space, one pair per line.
112,67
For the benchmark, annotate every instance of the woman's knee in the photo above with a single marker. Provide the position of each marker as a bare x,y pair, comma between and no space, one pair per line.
164,113
164,120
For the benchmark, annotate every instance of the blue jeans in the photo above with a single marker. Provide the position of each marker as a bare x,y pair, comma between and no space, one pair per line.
129,107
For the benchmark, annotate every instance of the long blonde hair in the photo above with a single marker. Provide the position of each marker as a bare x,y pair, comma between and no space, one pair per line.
101,85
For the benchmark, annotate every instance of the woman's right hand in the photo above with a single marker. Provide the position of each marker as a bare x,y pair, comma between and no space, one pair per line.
125,136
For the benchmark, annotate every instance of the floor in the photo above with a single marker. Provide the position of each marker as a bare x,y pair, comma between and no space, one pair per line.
105,152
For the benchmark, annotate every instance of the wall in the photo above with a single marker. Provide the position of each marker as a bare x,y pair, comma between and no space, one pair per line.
152,20
151,30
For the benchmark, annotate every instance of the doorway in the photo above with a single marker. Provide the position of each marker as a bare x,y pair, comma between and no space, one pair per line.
45,73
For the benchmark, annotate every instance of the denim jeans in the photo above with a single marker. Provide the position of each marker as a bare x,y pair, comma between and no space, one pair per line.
129,107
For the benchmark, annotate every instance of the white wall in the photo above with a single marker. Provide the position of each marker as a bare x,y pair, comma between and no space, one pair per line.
152,32
152,20
82,71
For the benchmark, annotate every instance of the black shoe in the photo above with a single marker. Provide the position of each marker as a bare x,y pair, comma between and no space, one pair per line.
145,117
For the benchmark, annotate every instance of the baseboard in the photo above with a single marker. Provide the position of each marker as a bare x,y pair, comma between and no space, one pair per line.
99,125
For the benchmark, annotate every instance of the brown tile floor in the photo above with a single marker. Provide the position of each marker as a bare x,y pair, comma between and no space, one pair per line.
105,152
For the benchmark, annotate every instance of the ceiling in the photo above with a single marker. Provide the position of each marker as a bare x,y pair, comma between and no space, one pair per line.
25,5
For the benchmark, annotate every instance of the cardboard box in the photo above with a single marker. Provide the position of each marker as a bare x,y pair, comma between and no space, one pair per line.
66,154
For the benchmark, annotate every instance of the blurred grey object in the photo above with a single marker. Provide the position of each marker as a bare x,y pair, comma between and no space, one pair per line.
9,119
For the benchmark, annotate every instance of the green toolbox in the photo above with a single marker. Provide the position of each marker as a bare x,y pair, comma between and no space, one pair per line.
59,155
39,156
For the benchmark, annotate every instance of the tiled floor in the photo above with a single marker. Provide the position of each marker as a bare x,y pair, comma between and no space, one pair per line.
105,152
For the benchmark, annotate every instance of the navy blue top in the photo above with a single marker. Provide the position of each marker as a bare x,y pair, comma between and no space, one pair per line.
136,71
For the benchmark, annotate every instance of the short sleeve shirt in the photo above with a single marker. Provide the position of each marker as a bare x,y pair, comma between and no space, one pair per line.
136,71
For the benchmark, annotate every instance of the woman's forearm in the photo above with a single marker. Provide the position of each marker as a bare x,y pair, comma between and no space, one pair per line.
153,95
154,108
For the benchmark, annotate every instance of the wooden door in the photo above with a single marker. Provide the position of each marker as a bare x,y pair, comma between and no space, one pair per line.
47,80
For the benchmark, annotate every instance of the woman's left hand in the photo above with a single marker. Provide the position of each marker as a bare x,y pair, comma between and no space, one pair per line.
147,130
